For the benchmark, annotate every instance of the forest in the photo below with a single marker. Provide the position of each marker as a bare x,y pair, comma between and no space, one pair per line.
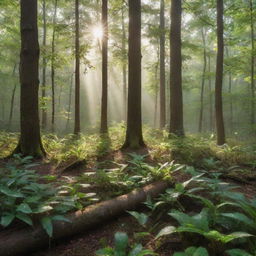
127,127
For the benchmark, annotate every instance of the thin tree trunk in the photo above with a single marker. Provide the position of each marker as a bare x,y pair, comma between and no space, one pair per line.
176,115
53,66
252,65
219,76
44,112
134,138
30,140
230,96
210,95
124,64
200,126
162,67
156,95
77,128
12,98
104,99
69,100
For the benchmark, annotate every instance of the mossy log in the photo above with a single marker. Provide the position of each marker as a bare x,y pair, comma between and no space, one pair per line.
21,242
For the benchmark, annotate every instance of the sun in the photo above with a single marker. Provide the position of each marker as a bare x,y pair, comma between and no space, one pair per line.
97,32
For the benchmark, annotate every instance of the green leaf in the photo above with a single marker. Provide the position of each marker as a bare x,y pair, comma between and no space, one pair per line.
25,208
140,217
193,251
105,252
166,231
238,252
240,218
121,243
61,218
136,250
25,218
7,219
11,193
47,225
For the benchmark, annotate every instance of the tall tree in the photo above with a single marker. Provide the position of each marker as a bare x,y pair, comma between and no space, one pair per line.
162,66
53,65
12,97
44,113
77,129
252,63
30,140
104,99
219,76
124,64
200,125
176,111
134,138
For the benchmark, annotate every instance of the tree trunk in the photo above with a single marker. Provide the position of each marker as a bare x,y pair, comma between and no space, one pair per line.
69,101
176,111
134,137
210,96
77,128
252,65
44,112
219,76
32,239
200,126
156,95
104,99
53,65
12,98
162,67
30,140
124,64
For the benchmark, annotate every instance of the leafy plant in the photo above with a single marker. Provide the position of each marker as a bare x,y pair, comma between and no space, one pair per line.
122,248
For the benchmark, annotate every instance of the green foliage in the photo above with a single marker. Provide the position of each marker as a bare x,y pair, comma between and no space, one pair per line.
193,251
122,248
27,197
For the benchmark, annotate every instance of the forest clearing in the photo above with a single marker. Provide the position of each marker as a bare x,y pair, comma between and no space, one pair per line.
127,128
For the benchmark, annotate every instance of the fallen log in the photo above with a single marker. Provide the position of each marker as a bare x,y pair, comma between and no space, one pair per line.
23,241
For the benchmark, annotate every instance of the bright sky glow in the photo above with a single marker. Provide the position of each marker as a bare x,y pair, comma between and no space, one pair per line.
97,32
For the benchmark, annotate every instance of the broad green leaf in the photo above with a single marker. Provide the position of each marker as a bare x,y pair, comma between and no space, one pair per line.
25,208
238,252
240,218
11,193
61,218
140,217
121,243
47,225
166,231
7,219
25,218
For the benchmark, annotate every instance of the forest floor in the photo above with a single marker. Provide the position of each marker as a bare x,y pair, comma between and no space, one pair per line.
75,162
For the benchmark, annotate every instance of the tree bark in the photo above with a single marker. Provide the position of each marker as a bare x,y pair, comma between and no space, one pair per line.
32,239
124,64
176,111
77,128
252,65
210,95
53,65
44,112
200,126
30,140
104,99
12,98
69,101
134,137
162,66
219,76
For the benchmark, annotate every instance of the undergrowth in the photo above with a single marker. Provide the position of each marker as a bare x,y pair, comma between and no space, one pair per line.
191,150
